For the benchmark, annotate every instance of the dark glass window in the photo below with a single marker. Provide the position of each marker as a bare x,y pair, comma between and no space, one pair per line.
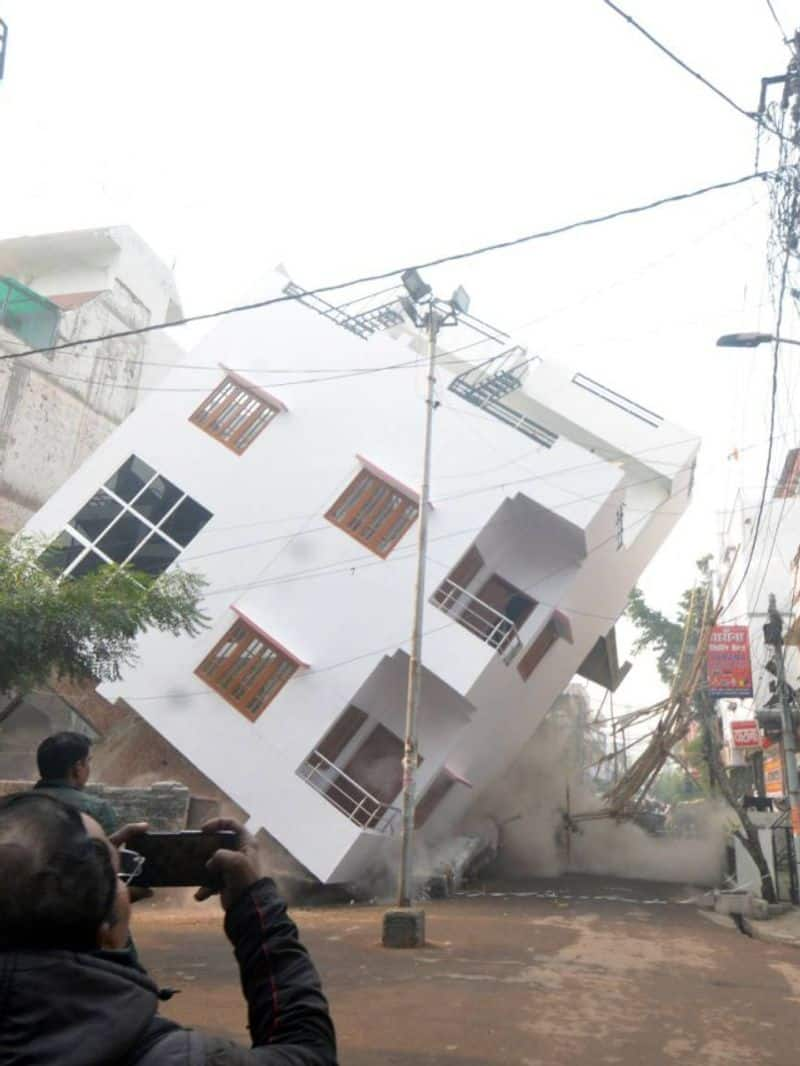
88,564
131,477
154,556
186,521
157,499
60,553
96,515
123,537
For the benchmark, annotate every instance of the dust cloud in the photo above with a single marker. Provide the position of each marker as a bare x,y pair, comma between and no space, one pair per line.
525,810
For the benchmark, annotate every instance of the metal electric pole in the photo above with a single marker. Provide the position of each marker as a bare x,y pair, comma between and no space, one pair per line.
405,927
773,635
410,750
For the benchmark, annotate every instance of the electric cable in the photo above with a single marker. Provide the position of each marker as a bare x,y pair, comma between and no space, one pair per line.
778,22
773,402
752,115
429,632
452,258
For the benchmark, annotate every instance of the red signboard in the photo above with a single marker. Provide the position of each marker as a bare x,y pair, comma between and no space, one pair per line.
729,673
745,734
773,771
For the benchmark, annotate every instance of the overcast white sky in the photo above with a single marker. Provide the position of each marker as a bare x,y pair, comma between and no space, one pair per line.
352,136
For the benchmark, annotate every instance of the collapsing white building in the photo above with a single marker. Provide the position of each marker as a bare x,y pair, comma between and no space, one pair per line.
295,494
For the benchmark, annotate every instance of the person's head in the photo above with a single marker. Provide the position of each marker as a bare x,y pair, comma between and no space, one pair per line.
65,757
59,883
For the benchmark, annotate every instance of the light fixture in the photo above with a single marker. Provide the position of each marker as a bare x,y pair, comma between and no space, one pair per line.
743,340
416,288
460,300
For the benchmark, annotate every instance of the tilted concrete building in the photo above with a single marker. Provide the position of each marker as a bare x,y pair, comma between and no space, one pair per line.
56,409
283,463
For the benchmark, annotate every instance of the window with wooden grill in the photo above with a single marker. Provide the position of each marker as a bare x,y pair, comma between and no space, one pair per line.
234,415
246,669
374,512
789,481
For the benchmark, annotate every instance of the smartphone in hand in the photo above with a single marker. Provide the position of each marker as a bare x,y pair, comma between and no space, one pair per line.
178,859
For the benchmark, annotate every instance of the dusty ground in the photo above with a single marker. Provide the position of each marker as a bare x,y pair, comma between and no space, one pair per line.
541,974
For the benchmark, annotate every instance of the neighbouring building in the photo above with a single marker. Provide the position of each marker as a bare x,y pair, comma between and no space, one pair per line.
56,408
294,492
774,570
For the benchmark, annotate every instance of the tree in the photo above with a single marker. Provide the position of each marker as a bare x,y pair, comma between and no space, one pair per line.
83,627
666,638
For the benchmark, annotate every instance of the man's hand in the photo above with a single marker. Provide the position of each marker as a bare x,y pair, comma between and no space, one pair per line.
125,832
237,870
119,839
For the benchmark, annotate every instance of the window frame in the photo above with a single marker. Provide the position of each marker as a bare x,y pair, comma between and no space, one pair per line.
788,485
244,636
537,650
369,492
246,434
89,546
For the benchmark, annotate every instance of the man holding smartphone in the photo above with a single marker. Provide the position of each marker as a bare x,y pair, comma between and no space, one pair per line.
70,992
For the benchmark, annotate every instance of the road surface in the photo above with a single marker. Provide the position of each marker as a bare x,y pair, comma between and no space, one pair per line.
579,971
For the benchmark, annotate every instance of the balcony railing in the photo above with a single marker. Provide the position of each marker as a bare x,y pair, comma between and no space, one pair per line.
27,314
487,384
363,325
618,400
347,795
479,618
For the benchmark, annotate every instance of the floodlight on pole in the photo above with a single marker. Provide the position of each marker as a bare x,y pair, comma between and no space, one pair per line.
750,340
459,301
404,927
416,288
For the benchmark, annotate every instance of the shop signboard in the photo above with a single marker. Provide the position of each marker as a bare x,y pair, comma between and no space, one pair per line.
729,673
745,734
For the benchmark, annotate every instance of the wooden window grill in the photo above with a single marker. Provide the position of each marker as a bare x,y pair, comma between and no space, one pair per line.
246,669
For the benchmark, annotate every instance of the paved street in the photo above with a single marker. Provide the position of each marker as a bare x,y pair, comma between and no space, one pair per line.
541,974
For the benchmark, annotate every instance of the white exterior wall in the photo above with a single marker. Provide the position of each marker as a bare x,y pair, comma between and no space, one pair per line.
56,409
343,610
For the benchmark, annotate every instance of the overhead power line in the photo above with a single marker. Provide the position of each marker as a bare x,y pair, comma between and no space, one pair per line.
752,115
773,399
396,271
778,22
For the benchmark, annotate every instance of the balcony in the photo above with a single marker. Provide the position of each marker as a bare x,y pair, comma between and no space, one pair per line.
363,325
347,796
486,622
29,316
487,384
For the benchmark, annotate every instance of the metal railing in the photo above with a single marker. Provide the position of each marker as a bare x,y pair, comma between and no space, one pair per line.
486,385
618,400
493,627
347,796
363,325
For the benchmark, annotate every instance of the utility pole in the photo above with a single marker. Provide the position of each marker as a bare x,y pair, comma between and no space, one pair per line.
773,636
405,926
410,751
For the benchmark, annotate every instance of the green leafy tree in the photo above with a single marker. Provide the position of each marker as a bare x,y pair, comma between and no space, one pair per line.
665,637
84,627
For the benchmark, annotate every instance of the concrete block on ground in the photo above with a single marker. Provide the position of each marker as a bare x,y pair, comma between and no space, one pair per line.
404,927
735,903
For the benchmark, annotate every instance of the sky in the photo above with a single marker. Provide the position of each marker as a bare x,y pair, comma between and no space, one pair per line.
353,137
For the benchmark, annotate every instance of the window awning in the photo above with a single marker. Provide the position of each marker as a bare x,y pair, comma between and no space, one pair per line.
601,665
262,394
373,468
247,619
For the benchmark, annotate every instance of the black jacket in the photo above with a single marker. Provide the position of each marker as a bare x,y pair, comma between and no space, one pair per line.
63,1008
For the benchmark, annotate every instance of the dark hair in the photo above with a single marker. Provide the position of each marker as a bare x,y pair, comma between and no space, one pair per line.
56,755
57,883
